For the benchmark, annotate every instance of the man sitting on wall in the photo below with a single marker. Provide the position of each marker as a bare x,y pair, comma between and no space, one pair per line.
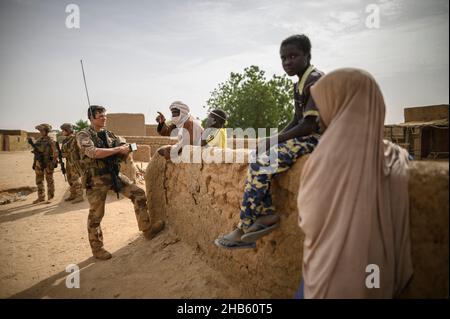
215,135
189,129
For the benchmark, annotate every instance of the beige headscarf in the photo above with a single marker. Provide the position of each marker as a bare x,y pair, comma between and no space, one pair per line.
353,197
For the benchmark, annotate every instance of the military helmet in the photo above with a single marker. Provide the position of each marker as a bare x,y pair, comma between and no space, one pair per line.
44,127
67,127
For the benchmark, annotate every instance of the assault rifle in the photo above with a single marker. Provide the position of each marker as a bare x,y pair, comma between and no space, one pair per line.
38,156
112,165
60,160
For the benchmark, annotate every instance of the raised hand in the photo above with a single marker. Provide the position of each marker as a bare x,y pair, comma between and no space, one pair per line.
160,118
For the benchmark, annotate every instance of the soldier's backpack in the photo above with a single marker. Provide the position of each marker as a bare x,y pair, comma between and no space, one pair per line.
74,156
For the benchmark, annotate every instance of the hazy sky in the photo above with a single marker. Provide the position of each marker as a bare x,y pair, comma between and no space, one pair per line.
139,56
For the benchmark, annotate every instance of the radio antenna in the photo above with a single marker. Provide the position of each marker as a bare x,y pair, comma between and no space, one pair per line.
85,85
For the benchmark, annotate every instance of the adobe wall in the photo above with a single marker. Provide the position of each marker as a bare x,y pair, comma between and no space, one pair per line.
18,142
33,135
154,142
142,154
426,113
201,201
126,124
150,130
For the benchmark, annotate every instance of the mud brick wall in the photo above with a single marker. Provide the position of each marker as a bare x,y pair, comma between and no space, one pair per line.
142,154
150,130
154,142
126,124
201,201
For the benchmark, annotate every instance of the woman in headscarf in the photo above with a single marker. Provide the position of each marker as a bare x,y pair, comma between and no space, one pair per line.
189,129
353,199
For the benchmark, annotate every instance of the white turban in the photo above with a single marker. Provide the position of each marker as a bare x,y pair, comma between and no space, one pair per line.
184,113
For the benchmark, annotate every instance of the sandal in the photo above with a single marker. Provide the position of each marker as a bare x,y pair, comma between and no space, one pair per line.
260,228
230,241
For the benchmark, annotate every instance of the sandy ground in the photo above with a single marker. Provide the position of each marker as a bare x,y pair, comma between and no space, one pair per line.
38,242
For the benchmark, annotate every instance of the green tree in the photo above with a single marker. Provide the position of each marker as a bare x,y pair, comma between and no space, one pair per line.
251,101
80,125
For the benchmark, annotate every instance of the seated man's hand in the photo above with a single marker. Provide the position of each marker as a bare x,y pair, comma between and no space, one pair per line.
165,152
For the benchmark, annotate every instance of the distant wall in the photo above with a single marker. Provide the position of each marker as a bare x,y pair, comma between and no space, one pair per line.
426,113
12,132
18,143
126,124
153,141
13,140
33,135
150,130
201,201
142,154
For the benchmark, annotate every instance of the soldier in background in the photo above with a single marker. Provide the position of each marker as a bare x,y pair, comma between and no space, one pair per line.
44,163
69,149
97,162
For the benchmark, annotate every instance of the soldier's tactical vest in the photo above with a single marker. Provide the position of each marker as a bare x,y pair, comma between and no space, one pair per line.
44,146
86,166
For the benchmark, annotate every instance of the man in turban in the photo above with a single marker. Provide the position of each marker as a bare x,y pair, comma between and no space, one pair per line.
189,129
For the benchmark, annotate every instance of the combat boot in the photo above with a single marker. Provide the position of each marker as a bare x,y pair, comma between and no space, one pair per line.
102,254
39,200
78,200
71,197
154,230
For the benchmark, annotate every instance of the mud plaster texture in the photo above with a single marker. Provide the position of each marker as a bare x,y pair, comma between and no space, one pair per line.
201,201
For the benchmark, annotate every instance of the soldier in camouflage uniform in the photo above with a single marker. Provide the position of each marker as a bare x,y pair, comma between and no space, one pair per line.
73,176
98,182
45,161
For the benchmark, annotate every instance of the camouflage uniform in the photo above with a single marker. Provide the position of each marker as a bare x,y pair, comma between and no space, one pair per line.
73,177
257,200
98,184
44,164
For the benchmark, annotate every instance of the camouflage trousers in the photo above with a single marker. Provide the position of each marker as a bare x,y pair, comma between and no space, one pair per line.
46,173
74,182
257,200
96,195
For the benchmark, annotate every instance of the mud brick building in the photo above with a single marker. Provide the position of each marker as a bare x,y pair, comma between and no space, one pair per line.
424,133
